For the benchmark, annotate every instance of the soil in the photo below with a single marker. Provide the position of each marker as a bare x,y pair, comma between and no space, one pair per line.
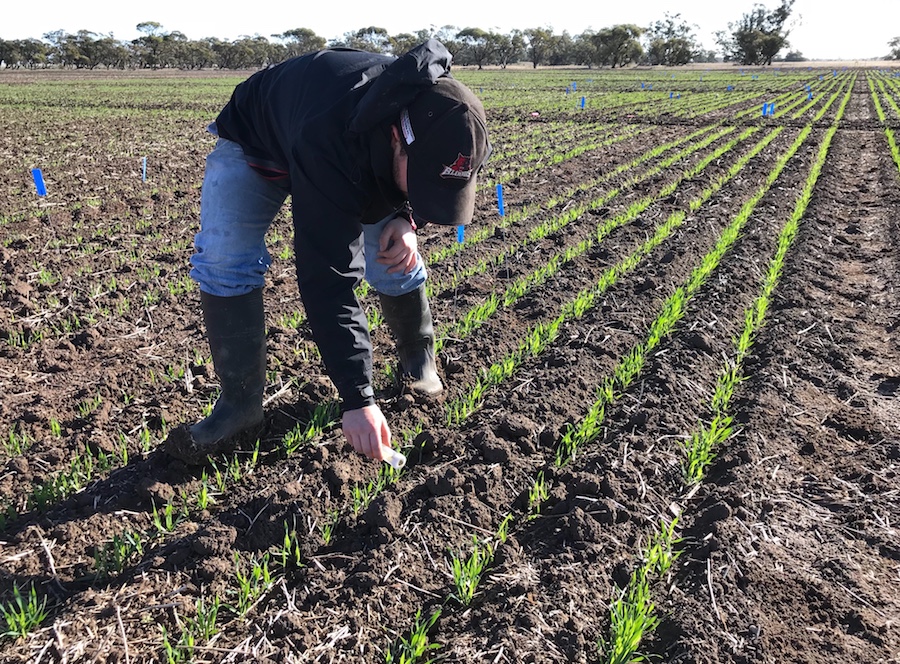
788,550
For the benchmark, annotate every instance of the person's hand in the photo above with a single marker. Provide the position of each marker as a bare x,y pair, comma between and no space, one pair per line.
397,246
367,431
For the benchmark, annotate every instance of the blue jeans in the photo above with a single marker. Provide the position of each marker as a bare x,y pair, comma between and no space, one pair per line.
237,206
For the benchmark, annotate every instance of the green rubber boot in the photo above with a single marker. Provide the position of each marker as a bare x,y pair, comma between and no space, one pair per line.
409,318
235,328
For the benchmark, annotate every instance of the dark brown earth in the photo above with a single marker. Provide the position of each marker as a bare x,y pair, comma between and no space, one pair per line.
789,550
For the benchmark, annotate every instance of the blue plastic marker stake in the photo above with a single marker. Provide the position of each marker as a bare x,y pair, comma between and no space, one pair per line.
642,85
730,88
582,102
500,207
574,85
671,94
460,234
39,182
765,109
144,170
809,96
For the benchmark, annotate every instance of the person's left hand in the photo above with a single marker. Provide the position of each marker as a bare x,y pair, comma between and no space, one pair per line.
397,246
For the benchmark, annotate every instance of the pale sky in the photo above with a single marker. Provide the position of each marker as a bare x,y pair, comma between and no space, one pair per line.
859,30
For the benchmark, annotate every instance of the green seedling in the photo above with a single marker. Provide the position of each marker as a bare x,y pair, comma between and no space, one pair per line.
537,495
252,585
23,614
467,574
327,528
166,521
289,555
116,554
660,554
219,477
632,614
503,529
88,406
203,626
411,650
203,494
17,442
180,652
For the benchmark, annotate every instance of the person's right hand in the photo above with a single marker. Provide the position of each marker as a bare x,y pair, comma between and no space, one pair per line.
397,246
367,430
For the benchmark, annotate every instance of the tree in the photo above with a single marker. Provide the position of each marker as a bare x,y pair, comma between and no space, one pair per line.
372,39
539,41
895,48
671,43
447,36
585,50
618,45
511,48
147,48
562,50
406,41
758,36
32,52
63,49
301,40
95,52
479,47
198,54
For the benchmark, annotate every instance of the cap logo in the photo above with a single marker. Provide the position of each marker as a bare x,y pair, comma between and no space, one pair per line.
461,168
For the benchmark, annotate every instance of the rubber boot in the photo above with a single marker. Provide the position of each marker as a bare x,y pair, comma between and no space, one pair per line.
235,328
409,318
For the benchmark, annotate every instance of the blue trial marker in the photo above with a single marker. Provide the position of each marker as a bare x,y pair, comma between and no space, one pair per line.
500,206
582,102
144,170
574,85
39,181
460,234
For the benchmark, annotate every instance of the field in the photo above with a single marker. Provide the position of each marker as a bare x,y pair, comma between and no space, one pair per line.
671,427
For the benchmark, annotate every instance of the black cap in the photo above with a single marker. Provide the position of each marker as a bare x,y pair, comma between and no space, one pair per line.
446,139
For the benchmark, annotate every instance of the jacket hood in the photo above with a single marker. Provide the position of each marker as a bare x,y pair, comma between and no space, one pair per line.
399,83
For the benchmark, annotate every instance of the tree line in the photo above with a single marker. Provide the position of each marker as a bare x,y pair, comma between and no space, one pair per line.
757,38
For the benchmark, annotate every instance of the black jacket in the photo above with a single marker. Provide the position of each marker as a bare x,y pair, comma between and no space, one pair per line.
321,123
